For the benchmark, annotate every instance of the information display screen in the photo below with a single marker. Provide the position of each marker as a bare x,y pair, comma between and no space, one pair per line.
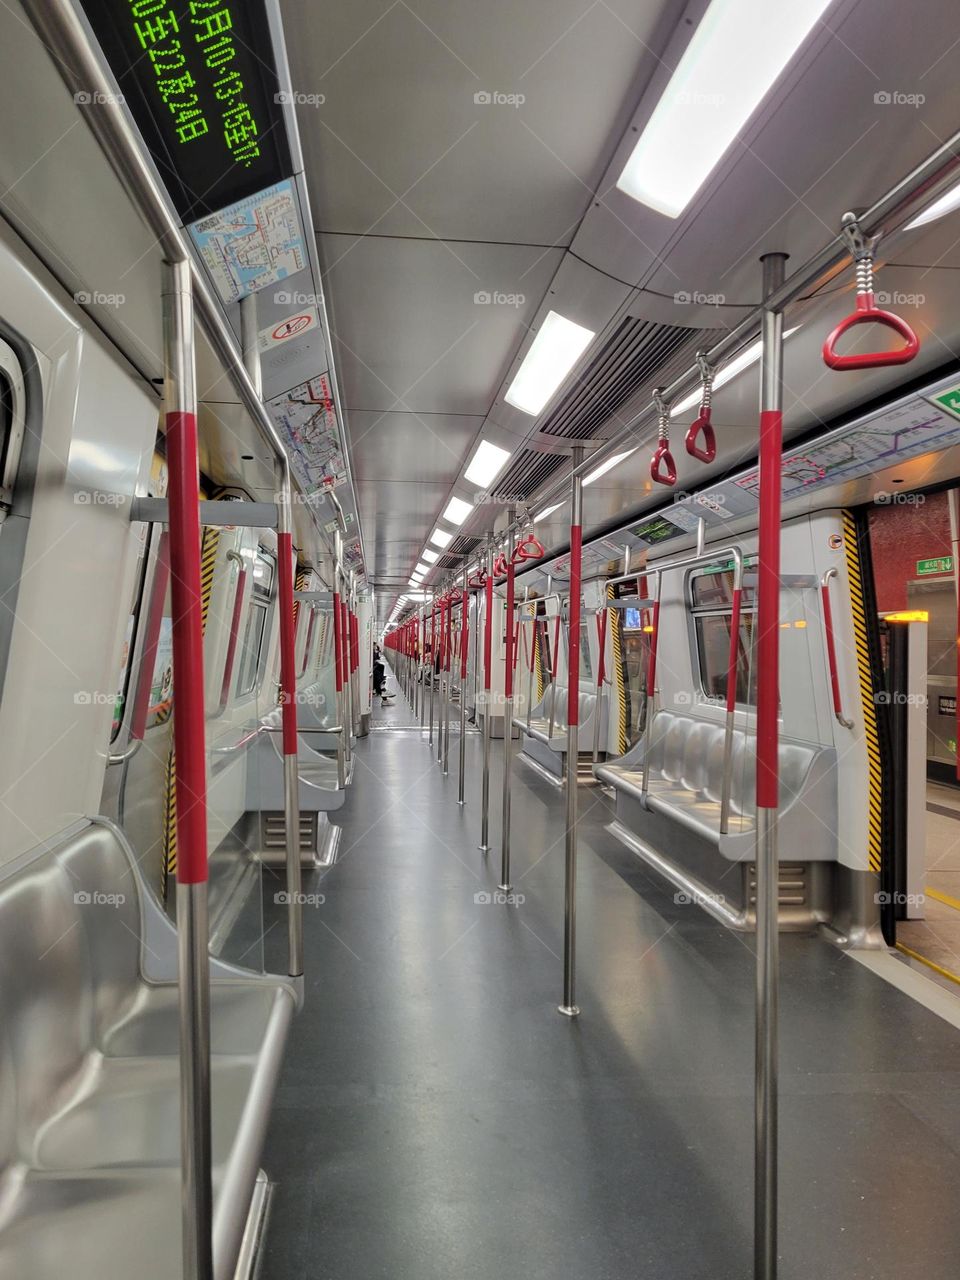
200,80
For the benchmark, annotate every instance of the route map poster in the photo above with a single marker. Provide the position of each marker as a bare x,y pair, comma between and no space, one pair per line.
306,417
252,244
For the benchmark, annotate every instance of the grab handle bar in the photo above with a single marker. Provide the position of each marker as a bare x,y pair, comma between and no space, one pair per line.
831,648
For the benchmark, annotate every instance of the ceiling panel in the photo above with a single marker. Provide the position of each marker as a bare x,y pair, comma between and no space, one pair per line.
429,327
404,142
410,446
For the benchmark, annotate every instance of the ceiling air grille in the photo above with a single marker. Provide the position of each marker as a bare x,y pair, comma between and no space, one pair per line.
635,355
458,548
528,471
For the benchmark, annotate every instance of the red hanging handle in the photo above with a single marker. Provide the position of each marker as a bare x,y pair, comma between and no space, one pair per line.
500,566
702,424
478,581
528,548
663,469
868,312
862,250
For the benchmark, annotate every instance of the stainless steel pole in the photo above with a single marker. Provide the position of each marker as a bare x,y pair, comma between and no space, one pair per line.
180,411
448,666
569,1007
768,662
464,640
433,662
505,884
443,690
487,671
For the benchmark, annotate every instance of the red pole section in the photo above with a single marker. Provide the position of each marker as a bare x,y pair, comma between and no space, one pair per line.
433,637
189,721
508,671
734,652
288,661
768,609
573,648
831,649
464,633
487,631
337,643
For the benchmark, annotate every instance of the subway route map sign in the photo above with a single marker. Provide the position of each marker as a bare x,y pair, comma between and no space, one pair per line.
200,80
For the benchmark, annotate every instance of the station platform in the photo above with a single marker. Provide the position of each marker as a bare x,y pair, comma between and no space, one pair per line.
436,1117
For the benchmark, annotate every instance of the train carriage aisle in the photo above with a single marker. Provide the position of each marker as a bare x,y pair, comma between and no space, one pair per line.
479,640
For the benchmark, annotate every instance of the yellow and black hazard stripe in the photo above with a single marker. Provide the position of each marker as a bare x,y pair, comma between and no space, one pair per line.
209,548
538,660
614,624
860,585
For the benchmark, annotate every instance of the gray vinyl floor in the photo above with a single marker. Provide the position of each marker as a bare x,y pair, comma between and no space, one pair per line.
437,1119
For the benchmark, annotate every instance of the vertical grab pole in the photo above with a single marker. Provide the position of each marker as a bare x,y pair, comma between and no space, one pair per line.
180,415
449,669
569,1007
288,663
505,884
651,692
464,640
768,665
441,636
487,662
433,662
732,664
343,741
534,624
421,674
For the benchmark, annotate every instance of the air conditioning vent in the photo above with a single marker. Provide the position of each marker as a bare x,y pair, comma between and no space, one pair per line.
525,475
458,547
637,354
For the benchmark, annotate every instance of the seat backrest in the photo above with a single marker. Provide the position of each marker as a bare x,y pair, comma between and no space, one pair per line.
69,963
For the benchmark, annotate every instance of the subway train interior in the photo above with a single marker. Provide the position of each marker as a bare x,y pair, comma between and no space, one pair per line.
479,645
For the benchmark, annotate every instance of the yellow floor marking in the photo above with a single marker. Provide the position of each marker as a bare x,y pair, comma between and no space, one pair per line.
943,897
937,968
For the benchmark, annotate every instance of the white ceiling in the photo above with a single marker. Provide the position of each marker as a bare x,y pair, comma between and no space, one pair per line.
423,198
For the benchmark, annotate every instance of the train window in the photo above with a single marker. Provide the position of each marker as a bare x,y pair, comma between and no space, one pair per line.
252,651
711,605
129,641
12,421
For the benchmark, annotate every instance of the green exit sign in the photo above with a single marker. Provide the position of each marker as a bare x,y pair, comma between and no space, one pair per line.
936,564
949,400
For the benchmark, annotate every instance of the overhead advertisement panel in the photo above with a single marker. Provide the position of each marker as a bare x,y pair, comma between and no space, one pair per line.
200,80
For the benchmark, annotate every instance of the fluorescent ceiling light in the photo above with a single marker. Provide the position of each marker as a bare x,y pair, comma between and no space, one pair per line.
743,361
420,570
417,597
610,463
736,53
553,353
949,201
431,557
440,538
488,462
457,510
548,511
